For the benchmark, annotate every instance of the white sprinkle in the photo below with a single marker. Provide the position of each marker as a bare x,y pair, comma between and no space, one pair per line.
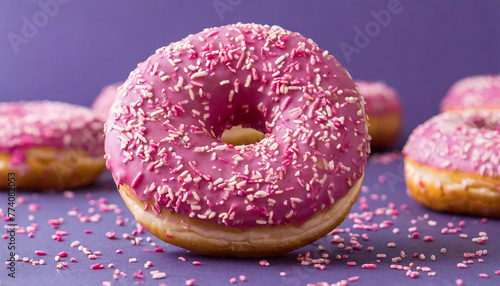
220,148
279,60
155,69
224,82
198,74
195,207
159,275
248,81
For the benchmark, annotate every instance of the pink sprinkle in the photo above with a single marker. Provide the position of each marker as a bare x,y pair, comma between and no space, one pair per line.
110,234
55,221
381,179
497,272
414,274
30,235
87,231
351,263
138,276
63,254
39,252
5,236
264,263
352,279
428,238
368,266
459,282
190,282
182,258
415,235
484,220
469,255
158,249
483,275
119,251
72,259
232,280
68,194
243,278
111,265
196,263
140,228
97,266
33,207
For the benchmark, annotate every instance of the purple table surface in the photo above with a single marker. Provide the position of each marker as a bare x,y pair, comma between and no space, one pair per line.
68,50
386,206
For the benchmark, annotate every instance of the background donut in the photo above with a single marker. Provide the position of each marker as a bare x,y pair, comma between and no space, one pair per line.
474,92
384,111
50,145
103,102
452,163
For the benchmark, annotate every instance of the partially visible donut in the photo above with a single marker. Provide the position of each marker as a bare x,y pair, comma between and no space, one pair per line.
103,102
191,189
475,92
452,163
384,111
49,145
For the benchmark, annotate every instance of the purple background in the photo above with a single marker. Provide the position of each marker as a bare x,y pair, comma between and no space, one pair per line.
85,45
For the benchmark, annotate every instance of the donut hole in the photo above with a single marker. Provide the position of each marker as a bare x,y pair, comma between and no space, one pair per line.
239,135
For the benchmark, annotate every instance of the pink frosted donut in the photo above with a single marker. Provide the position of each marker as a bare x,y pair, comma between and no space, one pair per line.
384,111
191,189
50,144
452,162
103,102
482,91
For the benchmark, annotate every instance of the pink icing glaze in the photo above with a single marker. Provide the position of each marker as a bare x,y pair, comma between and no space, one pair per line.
379,98
162,133
482,91
48,124
103,102
467,142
